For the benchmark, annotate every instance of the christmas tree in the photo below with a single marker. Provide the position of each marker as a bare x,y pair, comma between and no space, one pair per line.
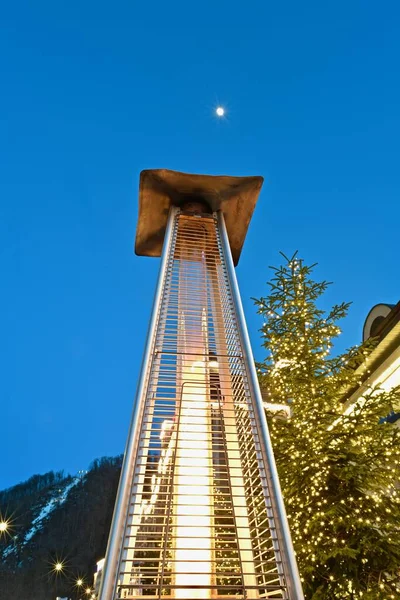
339,469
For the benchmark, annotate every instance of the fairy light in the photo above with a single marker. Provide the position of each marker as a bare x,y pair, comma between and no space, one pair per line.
301,372
58,567
4,525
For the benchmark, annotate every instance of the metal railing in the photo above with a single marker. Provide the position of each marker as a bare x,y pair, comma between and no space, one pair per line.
199,513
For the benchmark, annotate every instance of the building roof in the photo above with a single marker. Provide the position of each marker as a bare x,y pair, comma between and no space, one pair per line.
376,324
387,332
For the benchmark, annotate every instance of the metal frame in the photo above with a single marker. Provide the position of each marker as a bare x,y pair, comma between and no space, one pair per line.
198,459
289,557
109,578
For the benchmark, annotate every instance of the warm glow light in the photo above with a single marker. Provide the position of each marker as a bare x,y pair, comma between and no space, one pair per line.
3,526
193,543
88,591
220,111
58,567
79,582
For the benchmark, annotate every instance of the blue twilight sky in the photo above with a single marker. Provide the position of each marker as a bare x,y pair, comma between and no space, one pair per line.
93,92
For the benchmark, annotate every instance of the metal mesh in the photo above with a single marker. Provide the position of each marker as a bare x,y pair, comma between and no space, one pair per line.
200,522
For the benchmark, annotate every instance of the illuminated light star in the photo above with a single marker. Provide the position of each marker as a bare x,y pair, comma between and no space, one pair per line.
3,526
220,111
88,591
58,567
79,582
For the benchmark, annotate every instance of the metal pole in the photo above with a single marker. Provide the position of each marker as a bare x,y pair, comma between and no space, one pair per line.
289,558
109,579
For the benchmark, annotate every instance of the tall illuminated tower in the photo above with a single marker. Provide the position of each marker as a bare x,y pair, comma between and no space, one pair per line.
199,512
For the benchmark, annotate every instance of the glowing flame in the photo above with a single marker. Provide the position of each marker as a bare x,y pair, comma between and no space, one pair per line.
193,543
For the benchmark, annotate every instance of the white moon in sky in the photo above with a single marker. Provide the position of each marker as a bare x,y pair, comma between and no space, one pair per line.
220,111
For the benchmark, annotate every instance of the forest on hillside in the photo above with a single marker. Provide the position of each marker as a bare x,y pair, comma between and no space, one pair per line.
55,517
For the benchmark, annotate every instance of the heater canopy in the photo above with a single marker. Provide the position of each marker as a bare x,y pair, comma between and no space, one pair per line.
160,189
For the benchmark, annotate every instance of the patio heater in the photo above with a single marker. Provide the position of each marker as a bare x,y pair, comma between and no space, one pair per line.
199,512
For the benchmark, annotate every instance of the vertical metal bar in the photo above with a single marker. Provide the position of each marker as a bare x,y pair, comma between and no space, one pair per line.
110,575
288,556
170,494
223,435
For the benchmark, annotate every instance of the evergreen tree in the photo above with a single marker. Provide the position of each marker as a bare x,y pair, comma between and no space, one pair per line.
339,469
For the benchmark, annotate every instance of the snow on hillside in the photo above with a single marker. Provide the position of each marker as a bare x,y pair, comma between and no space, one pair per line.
45,512
48,509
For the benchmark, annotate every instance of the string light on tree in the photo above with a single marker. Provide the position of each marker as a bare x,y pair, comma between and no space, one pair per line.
338,471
